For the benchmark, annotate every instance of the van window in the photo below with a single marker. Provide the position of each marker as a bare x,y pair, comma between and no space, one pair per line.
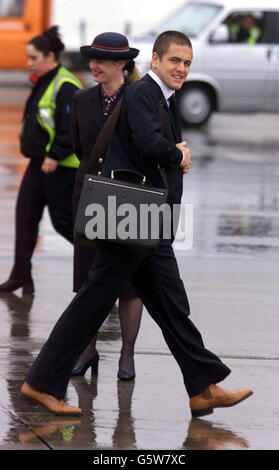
253,27
191,19
11,8
245,27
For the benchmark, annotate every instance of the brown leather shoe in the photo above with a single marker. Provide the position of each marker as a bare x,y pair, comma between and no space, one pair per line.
50,402
216,397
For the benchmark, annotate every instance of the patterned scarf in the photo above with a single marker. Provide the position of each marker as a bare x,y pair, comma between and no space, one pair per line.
108,101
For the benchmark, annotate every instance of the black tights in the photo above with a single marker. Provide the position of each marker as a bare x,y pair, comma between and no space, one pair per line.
130,312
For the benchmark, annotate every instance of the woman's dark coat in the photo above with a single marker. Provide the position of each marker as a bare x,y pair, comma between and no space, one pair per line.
88,120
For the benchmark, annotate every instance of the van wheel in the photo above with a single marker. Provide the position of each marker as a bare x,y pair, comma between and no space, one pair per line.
195,104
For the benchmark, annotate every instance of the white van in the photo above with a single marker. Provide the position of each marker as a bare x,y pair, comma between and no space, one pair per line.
236,56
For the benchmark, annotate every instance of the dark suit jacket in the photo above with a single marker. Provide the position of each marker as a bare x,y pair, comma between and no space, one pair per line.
140,143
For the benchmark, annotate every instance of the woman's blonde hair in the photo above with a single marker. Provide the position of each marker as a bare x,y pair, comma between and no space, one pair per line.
131,71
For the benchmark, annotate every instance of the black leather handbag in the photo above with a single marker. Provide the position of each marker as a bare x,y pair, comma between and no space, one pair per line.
121,209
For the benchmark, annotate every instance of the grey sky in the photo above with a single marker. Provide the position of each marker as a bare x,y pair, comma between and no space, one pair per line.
108,15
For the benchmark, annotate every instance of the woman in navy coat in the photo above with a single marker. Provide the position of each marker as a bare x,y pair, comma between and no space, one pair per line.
113,68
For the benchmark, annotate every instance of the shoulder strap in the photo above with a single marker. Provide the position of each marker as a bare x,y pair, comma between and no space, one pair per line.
104,137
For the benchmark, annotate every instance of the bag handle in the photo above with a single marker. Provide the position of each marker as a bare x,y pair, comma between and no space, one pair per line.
134,176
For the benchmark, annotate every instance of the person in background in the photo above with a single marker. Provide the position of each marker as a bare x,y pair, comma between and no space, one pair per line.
46,140
245,30
113,69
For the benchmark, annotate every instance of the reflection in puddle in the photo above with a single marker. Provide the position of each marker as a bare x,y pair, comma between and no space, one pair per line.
239,248
64,428
248,225
247,233
204,435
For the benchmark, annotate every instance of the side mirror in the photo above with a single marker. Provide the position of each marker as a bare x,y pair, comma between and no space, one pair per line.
221,34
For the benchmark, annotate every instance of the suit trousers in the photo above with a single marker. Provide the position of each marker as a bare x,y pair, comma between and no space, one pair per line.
157,281
38,190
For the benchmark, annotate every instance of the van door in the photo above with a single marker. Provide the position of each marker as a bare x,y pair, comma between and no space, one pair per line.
242,66
272,23
20,20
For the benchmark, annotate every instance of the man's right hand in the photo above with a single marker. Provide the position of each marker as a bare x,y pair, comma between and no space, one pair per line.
186,163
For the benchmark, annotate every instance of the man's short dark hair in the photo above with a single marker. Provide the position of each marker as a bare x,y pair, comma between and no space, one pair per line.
165,39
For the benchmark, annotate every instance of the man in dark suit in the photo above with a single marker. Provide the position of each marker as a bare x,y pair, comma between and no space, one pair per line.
140,143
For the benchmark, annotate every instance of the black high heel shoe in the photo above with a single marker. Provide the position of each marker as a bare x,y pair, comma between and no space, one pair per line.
11,284
125,375
93,362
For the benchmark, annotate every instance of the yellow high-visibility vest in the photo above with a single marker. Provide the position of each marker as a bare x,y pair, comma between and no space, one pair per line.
253,34
47,107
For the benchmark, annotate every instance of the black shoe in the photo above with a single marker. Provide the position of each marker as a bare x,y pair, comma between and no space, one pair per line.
123,375
93,362
11,284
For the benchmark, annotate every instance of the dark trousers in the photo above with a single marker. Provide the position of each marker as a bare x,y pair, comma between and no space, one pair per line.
38,190
157,281
84,254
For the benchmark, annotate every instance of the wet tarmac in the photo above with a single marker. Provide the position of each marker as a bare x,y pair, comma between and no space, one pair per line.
231,277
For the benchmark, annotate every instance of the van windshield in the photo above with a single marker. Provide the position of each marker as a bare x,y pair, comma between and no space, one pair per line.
11,8
191,19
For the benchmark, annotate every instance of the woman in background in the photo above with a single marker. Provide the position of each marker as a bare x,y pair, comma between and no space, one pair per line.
46,140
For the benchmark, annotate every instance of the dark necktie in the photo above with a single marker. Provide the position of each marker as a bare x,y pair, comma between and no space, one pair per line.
174,112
